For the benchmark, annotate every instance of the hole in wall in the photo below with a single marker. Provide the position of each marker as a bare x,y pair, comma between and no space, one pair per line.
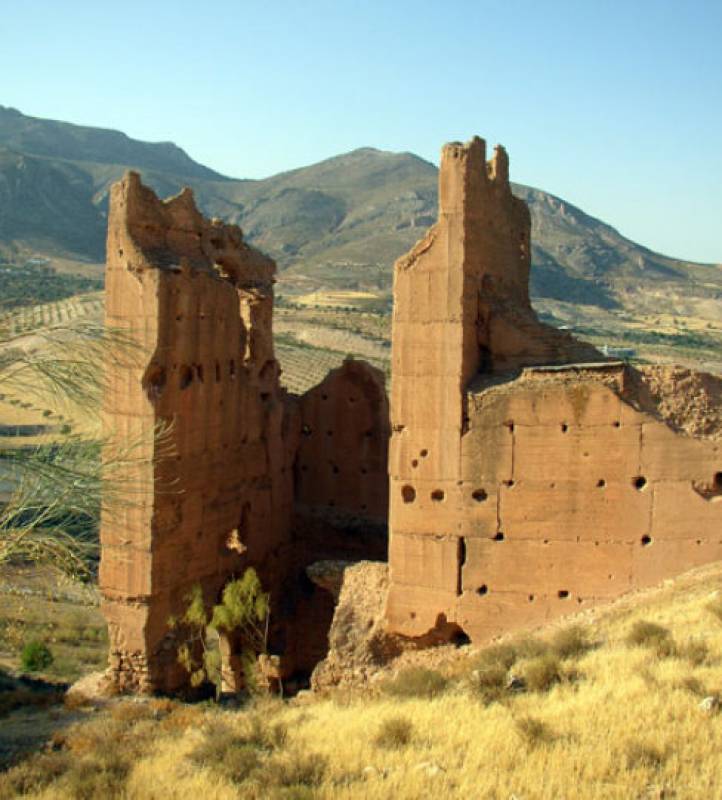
564,427
639,482
218,372
155,381
352,400
199,372
510,425
334,468
460,561
509,483
329,433
437,495
479,495
186,377
498,536
324,397
616,424
601,483
563,594
232,369
483,589
415,462
424,453
646,540
459,639
364,471
408,494
531,598
717,481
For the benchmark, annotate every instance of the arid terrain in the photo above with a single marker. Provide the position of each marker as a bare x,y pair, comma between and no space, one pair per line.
609,705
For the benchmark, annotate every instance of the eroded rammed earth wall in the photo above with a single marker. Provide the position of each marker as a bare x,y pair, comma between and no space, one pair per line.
217,493
528,478
219,468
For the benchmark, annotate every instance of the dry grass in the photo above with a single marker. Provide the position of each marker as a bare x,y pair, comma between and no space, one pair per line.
630,727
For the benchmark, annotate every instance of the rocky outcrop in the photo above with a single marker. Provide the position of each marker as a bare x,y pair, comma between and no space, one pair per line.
359,645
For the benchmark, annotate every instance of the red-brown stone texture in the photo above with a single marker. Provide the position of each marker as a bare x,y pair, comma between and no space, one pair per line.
528,476
214,492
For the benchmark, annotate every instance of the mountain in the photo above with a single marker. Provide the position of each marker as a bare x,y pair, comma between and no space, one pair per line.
337,224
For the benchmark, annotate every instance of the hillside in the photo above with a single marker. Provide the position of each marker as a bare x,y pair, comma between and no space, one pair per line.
339,223
615,706
335,229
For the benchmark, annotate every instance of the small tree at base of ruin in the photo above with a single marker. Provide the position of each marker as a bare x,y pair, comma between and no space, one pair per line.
242,615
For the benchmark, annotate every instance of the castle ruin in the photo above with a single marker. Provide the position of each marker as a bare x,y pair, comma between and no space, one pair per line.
522,475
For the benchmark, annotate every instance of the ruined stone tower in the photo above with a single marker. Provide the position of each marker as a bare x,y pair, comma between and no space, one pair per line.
528,475
241,474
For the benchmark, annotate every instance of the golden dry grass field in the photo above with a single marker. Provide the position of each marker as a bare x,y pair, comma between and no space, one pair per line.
611,709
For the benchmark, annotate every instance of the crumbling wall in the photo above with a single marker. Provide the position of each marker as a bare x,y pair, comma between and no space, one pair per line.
528,477
213,493
341,471
341,495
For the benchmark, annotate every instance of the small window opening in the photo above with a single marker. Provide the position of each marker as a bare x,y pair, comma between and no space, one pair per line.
186,377
479,495
415,462
437,495
601,483
498,537
646,540
483,589
564,427
563,594
639,482
531,598
424,453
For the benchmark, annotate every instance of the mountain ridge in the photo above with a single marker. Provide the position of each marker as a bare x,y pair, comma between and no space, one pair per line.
338,223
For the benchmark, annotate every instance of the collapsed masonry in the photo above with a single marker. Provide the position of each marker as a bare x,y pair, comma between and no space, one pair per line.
526,475
529,476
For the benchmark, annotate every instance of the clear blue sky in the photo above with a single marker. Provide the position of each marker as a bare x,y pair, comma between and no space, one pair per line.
615,106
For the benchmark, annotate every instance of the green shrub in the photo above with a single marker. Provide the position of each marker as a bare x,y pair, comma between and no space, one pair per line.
394,733
570,642
653,636
533,731
295,771
33,775
694,686
542,672
498,655
638,754
695,651
489,681
530,647
97,777
417,682
35,656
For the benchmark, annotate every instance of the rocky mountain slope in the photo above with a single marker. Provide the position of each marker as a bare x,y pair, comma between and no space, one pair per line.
337,224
